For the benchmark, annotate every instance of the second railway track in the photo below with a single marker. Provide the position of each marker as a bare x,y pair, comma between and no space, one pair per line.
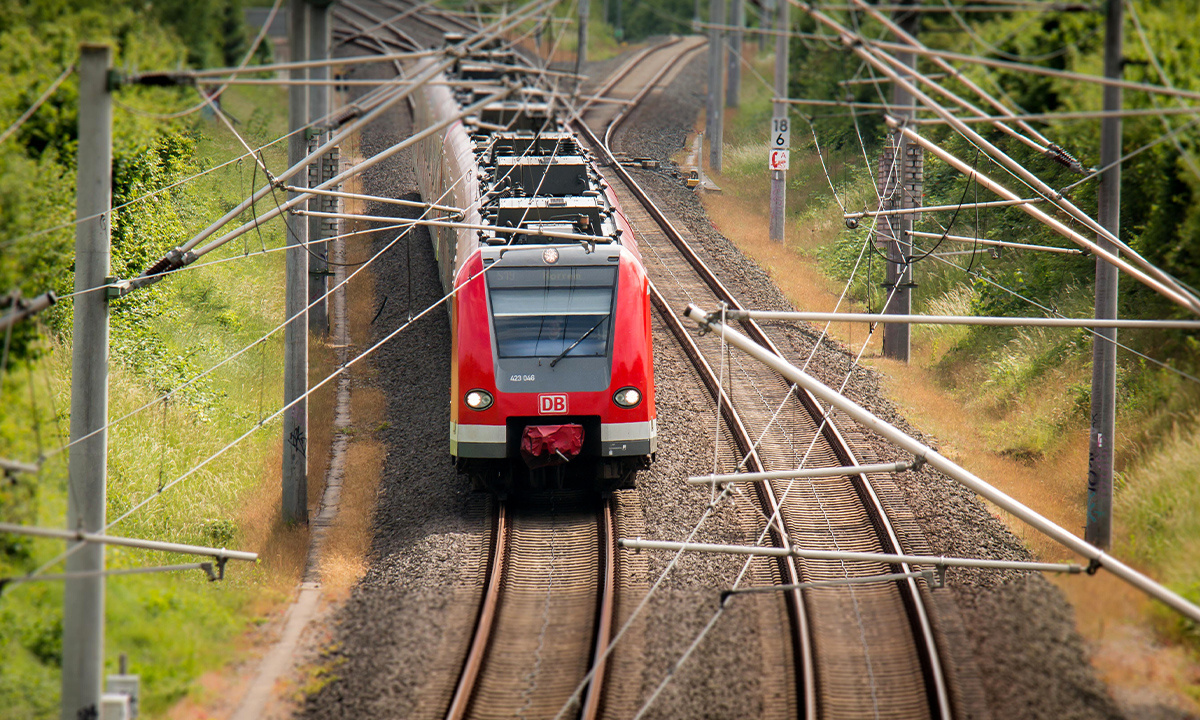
861,651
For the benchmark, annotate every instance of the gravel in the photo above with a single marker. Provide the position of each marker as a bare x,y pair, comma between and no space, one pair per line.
399,636
1016,652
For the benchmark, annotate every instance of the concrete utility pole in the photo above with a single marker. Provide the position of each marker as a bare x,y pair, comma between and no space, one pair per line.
907,158
295,338
780,111
766,18
318,107
83,597
714,119
733,78
1104,348
581,51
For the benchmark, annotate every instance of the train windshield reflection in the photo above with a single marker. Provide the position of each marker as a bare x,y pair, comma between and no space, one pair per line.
540,312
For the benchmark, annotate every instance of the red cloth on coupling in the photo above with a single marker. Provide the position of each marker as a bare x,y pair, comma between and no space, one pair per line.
539,444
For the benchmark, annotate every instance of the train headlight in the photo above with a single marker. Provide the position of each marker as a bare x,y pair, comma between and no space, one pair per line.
479,399
627,397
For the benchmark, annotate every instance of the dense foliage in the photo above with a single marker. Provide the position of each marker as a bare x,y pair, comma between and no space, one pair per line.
1160,198
38,40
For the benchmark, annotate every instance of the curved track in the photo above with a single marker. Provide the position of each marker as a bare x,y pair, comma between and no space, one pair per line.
860,651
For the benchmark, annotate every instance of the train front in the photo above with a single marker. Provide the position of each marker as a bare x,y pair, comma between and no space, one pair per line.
553,381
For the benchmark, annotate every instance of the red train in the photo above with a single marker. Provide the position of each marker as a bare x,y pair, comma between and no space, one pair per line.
552,371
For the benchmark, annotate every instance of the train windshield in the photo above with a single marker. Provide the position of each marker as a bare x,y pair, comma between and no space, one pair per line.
541,311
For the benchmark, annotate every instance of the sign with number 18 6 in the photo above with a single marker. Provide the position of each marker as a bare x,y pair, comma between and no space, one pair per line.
781,134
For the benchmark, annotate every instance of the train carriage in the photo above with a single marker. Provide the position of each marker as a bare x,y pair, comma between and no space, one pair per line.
552,378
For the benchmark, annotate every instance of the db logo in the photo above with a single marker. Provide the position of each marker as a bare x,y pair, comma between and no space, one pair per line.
553,404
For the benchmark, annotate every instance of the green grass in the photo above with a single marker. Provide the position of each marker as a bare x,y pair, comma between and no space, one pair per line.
173,627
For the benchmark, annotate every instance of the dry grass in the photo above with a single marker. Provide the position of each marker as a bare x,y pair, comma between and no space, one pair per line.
349,540
1052,485
322,405
979,412
282,548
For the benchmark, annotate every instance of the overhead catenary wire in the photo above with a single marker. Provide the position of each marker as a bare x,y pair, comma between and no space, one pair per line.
384,102
902,440
1162,74
709,508
154,193
1031,69
1049,310
211,98
37,103
1154,276
259,341
278,413
997,243
1179,296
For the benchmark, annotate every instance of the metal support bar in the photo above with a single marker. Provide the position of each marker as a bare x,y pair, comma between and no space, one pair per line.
777,228
733,71
179,256
378,199
27,308
889,558
1032,69
893,467
1082,115
294,429
461,225
357,169
997,243
1102,439
862,580
102,539
714,111
938,208
735,315
83,597
1097,556
1150,274
1168,289
12,466
207,567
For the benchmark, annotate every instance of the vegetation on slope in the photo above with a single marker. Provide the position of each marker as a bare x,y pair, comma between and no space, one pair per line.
1031,387
172,626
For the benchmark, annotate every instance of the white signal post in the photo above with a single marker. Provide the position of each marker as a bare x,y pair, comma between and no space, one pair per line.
780,127
781,143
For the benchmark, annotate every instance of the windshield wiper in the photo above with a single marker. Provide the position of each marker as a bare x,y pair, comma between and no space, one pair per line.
582,337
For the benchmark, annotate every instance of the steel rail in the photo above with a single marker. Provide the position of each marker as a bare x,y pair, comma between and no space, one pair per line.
498,567
802,642
486,618
402,36
616,77
924,637
627,109
606,610
426,10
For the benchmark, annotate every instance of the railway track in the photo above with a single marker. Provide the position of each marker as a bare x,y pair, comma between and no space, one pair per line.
547,611
546,616
859,651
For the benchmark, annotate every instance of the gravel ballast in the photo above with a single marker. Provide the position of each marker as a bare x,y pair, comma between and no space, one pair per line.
399,636
1022,652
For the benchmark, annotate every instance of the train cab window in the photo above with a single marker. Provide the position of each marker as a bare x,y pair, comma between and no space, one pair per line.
540,312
